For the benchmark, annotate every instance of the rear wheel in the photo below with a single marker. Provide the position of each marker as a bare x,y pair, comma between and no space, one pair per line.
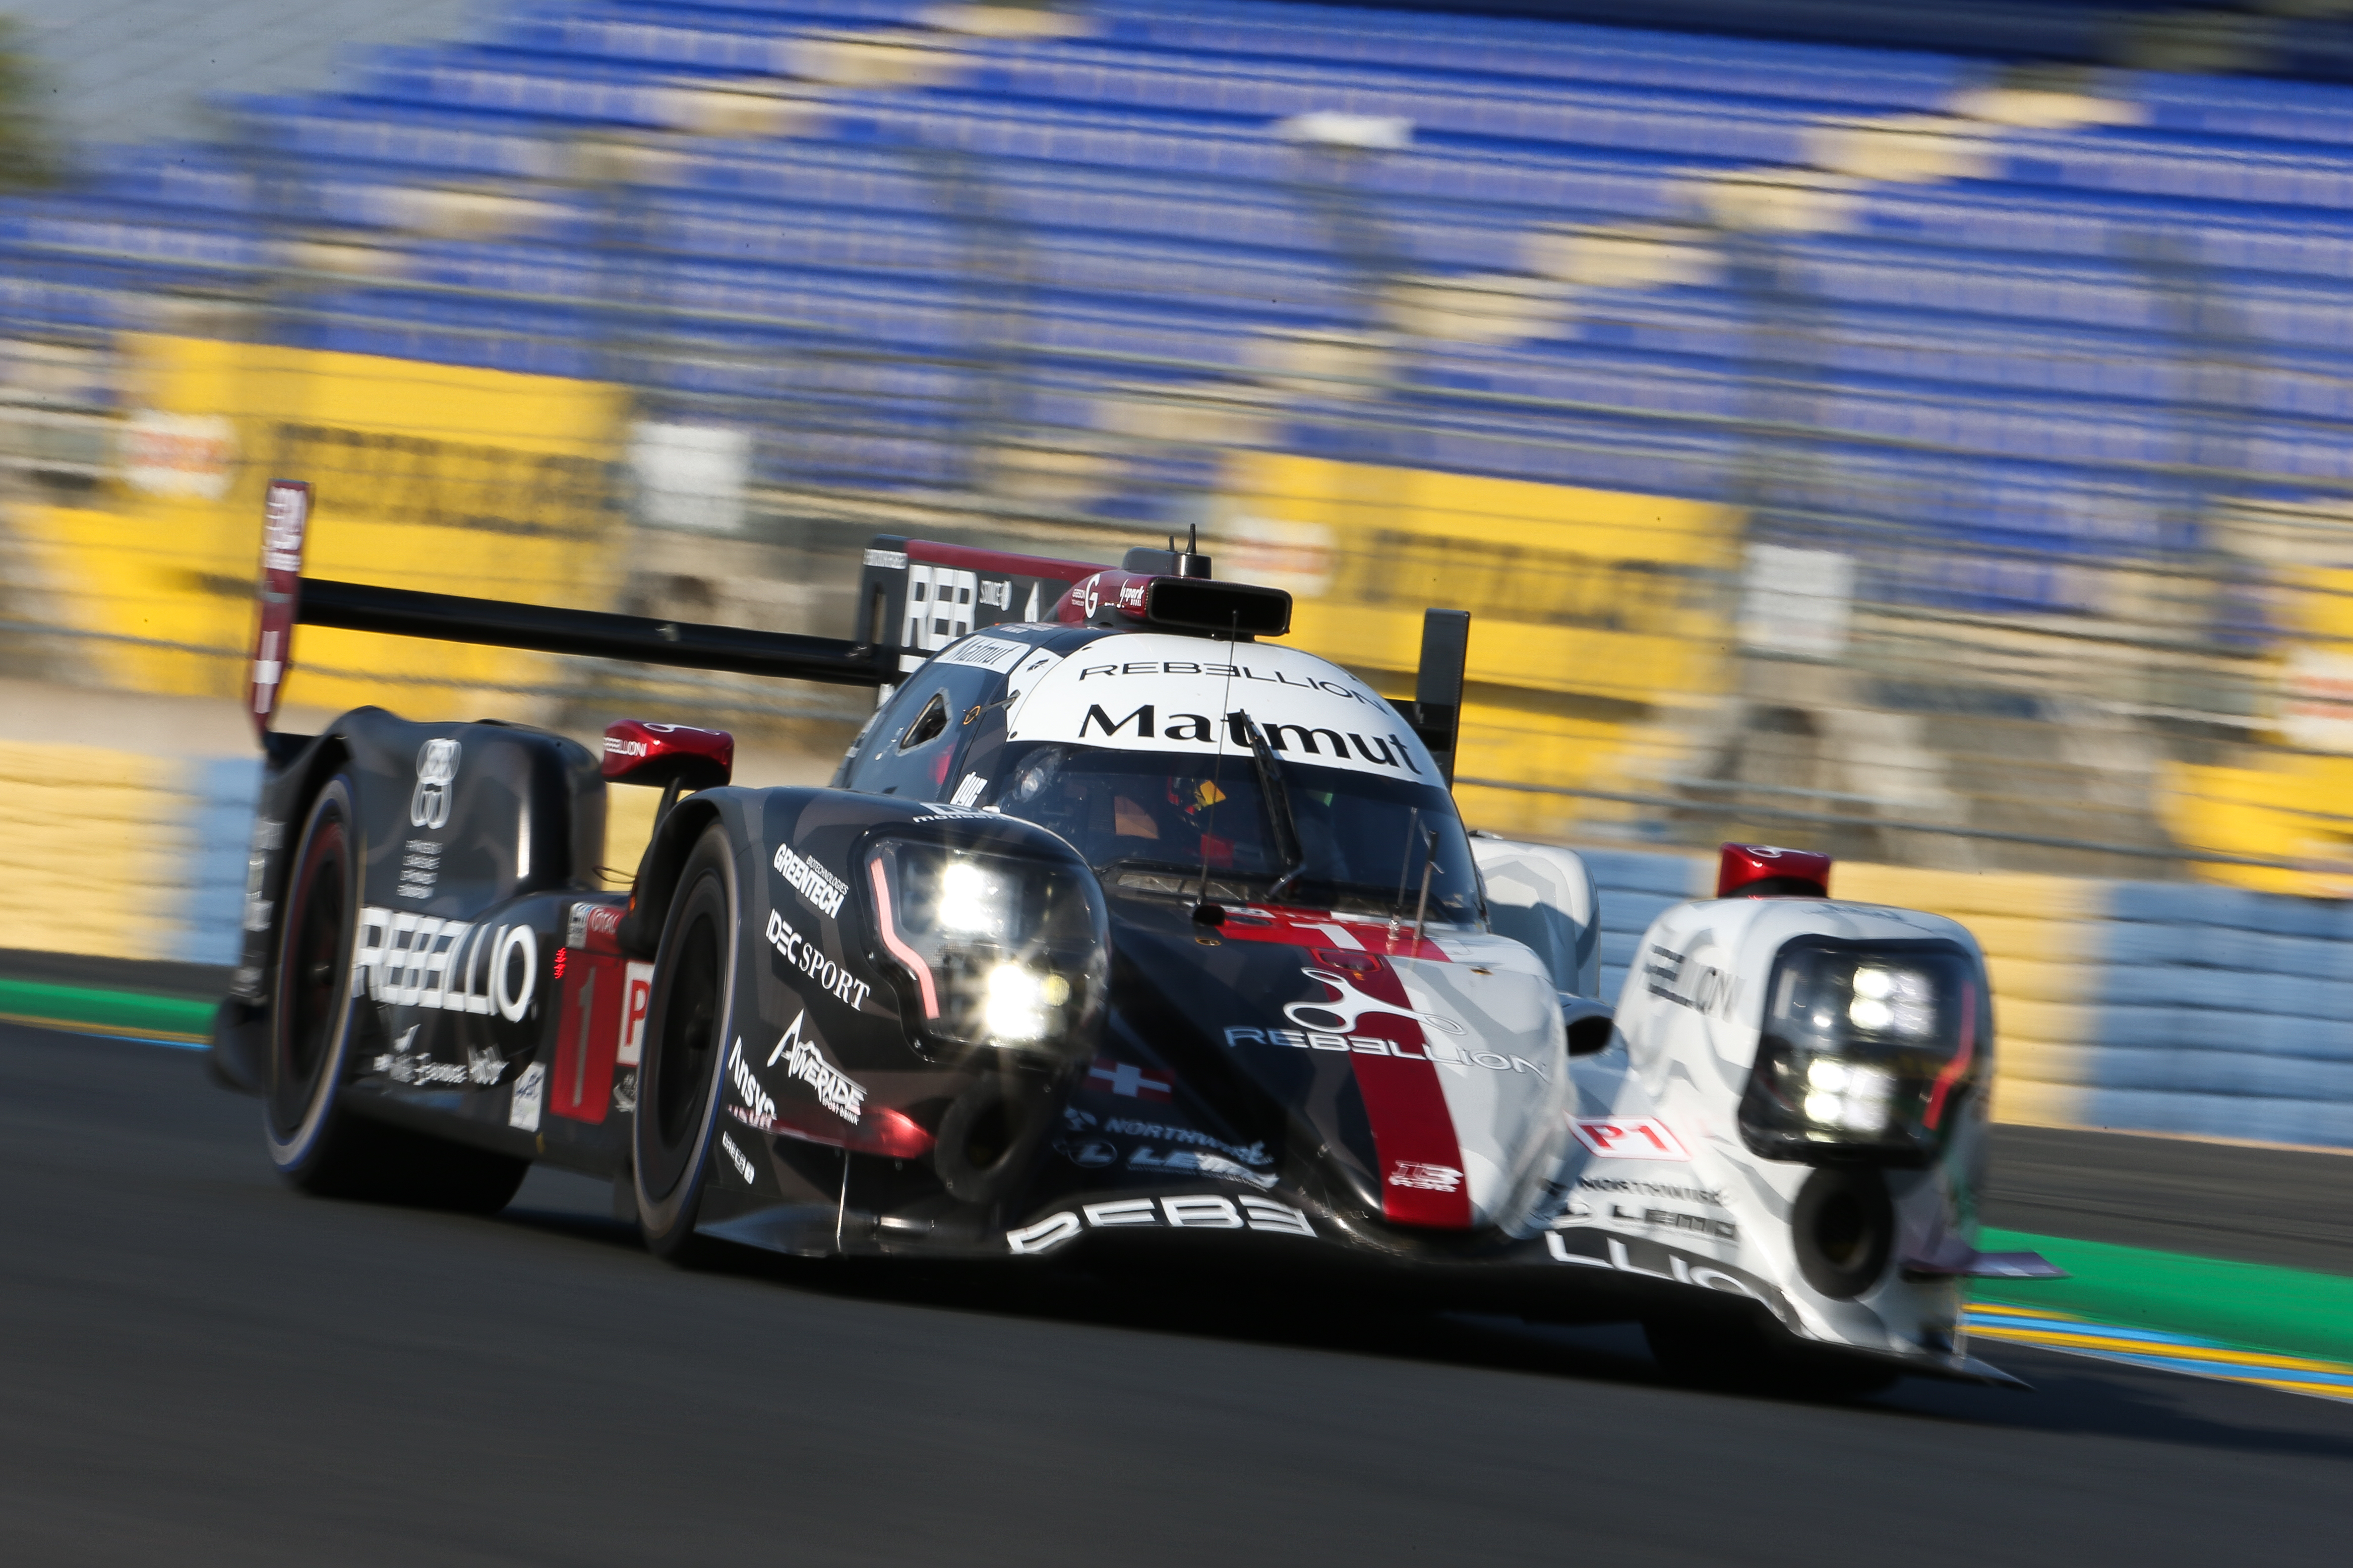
314,1140
679,1081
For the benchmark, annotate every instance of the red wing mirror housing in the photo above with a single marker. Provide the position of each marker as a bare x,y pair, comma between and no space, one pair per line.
1763,871
637,752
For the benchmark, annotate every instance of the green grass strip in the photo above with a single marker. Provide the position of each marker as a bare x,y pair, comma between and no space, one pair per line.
2251,1305
131,1012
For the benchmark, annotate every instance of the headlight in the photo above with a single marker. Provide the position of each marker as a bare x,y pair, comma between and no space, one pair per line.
1868,1048
1000,949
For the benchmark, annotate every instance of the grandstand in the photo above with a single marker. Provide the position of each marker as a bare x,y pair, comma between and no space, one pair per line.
1596,257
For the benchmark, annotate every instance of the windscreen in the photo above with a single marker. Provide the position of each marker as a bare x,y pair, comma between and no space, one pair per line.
1363,840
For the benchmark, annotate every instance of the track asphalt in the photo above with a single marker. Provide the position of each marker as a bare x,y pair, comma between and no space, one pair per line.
203,1367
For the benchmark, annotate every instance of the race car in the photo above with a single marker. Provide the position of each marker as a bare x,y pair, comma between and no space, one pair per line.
1121,925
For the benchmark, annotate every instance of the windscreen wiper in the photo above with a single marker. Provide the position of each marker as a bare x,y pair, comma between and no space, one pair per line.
1278,802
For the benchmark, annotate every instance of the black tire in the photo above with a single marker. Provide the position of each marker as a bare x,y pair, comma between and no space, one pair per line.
1743,1352
688,1020
311,1014
314,1140
1843,1223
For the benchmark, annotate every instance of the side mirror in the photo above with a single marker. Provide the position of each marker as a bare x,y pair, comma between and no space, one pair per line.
1764,871
671,757
1590,1025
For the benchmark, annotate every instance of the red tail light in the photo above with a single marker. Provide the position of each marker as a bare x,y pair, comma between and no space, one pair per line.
1762,871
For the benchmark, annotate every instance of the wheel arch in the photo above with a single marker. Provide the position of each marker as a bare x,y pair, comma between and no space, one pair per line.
674,839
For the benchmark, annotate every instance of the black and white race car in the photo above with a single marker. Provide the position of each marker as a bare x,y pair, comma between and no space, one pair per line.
1121,919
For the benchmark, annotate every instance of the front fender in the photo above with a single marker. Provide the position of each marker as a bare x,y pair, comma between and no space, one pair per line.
1663,1183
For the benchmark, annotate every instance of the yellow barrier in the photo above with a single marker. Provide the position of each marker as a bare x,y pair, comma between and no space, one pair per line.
428,476
94,843
1595,614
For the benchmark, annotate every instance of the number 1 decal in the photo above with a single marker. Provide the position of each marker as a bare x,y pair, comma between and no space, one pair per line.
1629,1138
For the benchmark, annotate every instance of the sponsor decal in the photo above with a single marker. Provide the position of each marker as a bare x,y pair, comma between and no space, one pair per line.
484,1067
735,1158
437,775
410,960
1423,1177
1196,1161
593,927
888,560
805,956
625,1092
1438,1051
989,653
1127,1081
1349,1007
405,1064
1656,1260
819,888
754,1098
1146,723
1088,1153
285,517
530,1091
970,789
1308,710
1231,673
636,996
1194,1212
420,869
1627,1138
805,1059
1578,1214
1701,987
183,456
1713,1197
997,595
1247,1154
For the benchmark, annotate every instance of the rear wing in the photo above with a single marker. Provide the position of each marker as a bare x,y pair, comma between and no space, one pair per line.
914,597
289,599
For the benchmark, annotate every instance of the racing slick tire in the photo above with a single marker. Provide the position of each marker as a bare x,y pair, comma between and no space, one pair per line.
314,1139
1743,1352
679,1081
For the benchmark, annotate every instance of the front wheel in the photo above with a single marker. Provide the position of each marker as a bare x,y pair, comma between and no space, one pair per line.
679,1080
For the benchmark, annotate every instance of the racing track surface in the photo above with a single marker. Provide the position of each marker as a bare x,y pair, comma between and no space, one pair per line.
203,1367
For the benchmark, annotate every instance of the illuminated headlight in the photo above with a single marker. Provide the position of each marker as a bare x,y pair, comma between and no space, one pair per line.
998,948
974,902
1023,1005
1842,1095
1866,1050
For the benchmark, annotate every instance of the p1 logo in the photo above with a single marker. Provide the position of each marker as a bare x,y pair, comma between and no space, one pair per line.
1629,1138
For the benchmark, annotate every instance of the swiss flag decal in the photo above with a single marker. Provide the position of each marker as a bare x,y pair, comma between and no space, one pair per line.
1127,1079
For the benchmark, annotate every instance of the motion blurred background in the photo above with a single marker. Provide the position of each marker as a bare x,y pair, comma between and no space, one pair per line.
1916,432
